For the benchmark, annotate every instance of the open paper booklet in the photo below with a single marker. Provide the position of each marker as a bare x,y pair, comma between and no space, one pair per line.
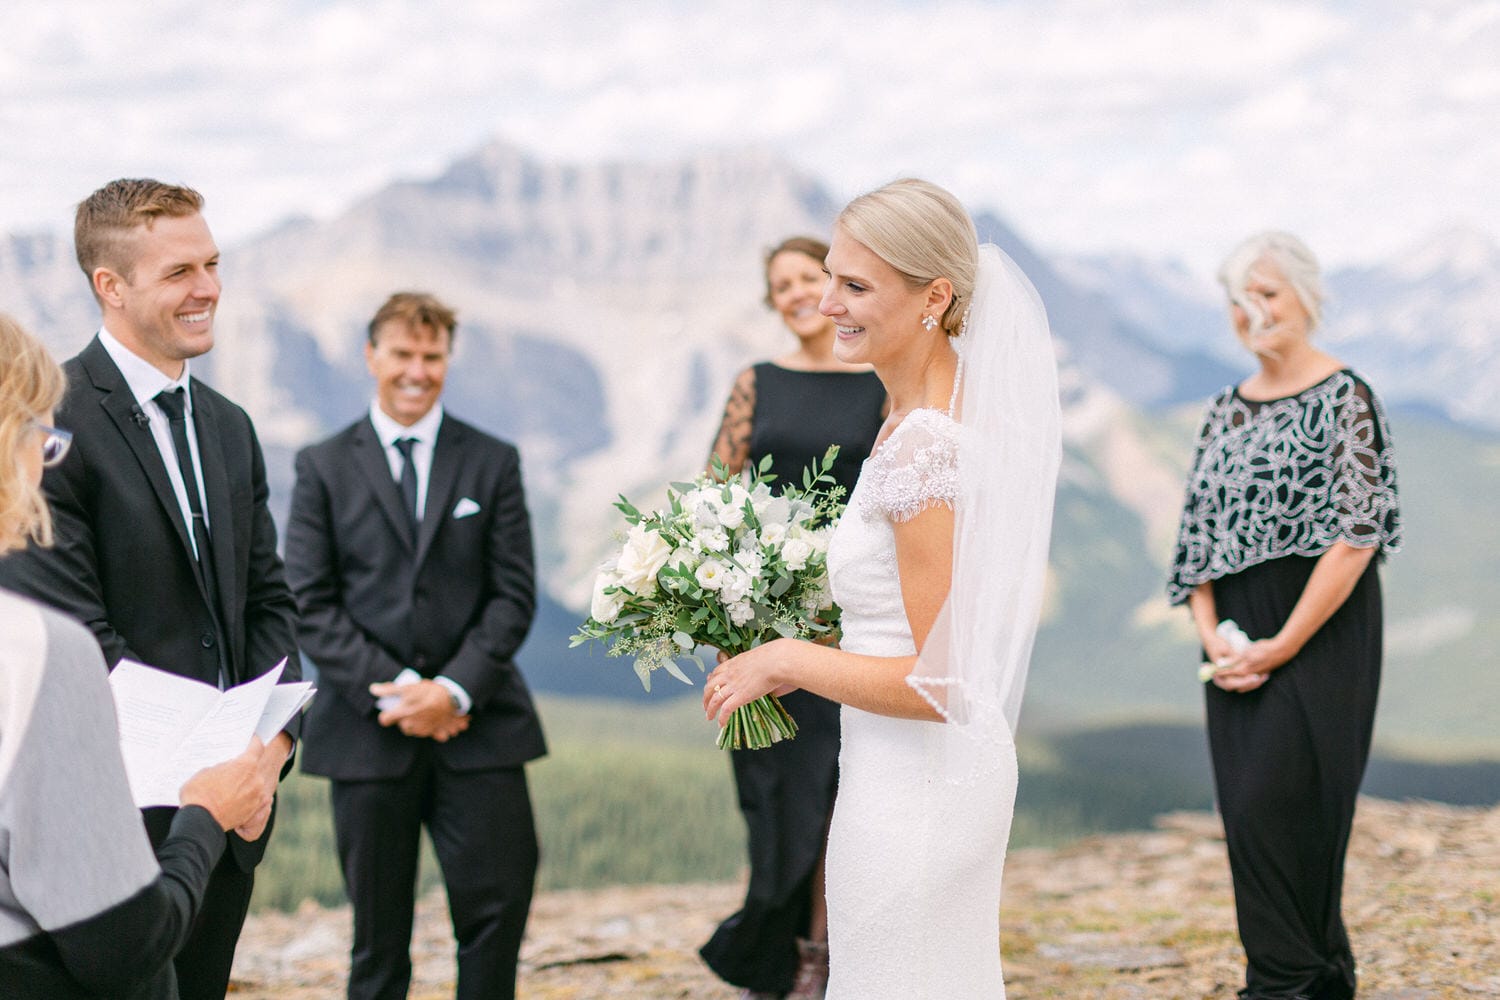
171,726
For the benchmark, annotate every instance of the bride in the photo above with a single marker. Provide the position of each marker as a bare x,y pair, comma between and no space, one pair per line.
938,565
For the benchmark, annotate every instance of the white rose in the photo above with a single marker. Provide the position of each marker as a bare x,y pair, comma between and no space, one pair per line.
741,612
646,552
795,554
711,574
605,608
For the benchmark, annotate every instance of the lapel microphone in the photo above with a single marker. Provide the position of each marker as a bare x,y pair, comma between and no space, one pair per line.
138,415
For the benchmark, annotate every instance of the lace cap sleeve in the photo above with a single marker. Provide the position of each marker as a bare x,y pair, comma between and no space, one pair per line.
916,467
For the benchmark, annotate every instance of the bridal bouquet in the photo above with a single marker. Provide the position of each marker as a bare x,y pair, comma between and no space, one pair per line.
727,564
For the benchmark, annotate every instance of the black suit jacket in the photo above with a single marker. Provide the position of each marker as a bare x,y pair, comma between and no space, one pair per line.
457,600
122,563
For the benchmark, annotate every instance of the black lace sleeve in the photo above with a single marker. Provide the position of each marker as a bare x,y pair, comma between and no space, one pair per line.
732,445
1364,485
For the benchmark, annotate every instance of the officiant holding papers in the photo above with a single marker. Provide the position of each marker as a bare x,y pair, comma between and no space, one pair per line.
86,910
164,544
409,549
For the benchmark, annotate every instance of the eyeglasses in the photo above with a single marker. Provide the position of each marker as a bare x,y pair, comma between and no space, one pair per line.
55,443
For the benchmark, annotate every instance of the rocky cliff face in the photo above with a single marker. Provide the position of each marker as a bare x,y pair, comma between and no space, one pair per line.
1123,917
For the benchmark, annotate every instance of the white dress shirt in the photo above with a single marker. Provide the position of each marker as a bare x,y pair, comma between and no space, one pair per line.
425,432
145,380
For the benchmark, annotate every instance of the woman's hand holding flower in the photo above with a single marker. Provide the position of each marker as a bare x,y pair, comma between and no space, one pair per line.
741,679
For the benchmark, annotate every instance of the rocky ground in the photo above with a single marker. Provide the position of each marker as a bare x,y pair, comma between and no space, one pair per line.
1144,916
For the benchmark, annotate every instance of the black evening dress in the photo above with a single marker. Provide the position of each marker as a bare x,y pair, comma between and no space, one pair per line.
1274,484
786,790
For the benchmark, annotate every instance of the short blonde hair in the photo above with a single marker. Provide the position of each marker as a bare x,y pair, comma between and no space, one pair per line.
1290,256
31,384
924,233
105,219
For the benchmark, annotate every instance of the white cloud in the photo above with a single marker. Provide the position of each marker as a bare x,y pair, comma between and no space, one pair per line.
1168,128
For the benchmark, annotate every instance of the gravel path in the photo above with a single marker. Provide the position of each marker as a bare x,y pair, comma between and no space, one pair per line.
1145,916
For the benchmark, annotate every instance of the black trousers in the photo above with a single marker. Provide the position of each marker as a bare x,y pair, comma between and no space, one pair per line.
484,837
1288,760
204,963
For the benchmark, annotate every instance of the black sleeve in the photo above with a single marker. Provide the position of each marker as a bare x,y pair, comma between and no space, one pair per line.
126,946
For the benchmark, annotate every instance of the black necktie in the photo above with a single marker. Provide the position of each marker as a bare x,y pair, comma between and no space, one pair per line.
171,403
408,481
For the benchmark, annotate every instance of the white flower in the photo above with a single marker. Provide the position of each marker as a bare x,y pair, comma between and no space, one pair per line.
735,586
646,552
761,499
773,534
795,554
684,558
605,608
740,612
731,517
711,574
715,539
801,512
777,510
749,557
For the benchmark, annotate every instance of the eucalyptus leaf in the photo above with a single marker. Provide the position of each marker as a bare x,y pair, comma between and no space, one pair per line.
671,667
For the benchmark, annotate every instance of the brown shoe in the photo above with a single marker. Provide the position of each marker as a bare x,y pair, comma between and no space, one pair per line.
812,971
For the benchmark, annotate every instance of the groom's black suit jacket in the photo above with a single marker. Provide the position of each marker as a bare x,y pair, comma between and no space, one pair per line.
122,563
457,600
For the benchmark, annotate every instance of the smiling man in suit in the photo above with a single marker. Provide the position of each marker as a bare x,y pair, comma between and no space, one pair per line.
164,545
409,549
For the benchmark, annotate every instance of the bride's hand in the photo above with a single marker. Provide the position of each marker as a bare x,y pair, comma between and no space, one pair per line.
741,679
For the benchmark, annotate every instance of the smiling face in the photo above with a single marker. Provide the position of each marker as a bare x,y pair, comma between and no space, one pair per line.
409,362
1271,314
877,315
162,306
796,281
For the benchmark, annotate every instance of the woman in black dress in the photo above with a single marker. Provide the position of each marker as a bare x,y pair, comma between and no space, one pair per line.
1290,503
792,409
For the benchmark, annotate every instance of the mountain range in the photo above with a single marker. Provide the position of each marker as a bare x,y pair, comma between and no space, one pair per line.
604,309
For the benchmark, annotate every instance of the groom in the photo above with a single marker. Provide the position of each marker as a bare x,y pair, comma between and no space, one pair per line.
409,550
165,546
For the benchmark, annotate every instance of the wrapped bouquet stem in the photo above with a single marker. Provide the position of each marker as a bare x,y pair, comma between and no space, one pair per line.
726,563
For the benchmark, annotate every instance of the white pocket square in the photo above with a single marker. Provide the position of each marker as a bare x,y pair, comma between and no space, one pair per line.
464,508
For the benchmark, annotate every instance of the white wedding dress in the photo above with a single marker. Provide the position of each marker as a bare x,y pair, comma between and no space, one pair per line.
914,860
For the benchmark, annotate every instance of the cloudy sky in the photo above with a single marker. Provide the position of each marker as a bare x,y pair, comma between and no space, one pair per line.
1168,129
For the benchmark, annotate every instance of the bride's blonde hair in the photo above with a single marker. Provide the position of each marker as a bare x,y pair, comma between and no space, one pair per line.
31,384
924,233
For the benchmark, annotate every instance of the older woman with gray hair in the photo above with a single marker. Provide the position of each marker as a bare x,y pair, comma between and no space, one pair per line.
1291,502
86,910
